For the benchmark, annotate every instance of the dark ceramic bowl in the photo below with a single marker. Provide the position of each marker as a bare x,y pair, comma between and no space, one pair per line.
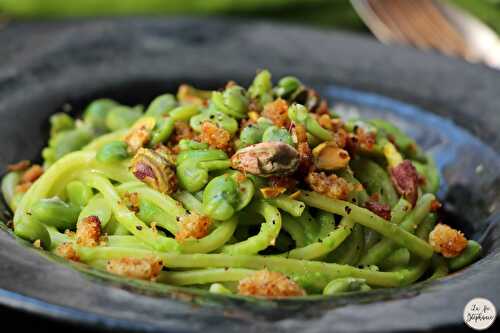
450,107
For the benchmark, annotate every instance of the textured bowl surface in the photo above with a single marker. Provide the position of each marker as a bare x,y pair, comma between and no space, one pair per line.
450,107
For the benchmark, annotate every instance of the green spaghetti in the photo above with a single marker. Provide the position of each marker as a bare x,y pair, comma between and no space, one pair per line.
260,191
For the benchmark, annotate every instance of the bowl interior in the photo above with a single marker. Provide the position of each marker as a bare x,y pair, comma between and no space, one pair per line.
467,168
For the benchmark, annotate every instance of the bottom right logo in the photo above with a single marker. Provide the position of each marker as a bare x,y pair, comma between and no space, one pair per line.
479,313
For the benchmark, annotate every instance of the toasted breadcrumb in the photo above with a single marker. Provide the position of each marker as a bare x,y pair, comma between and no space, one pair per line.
277,112
29,177
193,226
19,166
299,136
330,185
67,251
182,130
269,284
32,174
216,137
132,201
361,140
447,241
137,268
139,135
88,231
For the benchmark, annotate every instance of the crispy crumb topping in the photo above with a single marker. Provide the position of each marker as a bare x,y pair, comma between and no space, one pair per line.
277,112
88,231
269,284
19,166
137,268
214,136
29,177
332,185
67,251
193,226
447,241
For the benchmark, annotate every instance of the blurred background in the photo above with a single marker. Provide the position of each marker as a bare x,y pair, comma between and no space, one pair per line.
463,28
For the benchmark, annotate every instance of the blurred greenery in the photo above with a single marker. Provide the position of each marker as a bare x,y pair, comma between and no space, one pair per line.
322,13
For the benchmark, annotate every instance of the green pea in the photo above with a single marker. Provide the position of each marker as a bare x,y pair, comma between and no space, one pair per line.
32,230
162,131
96,112
185,144
56,213
49,156
232,101
220,198
191,174
121,117
250,135
227,194
262,88
191,177
246,190
113,151
61,122
78,193
184,112
287,85
68,141
253,133
220,118
277,134
161,106
200,155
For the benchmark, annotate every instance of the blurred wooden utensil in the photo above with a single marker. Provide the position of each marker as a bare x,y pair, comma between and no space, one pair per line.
431,24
